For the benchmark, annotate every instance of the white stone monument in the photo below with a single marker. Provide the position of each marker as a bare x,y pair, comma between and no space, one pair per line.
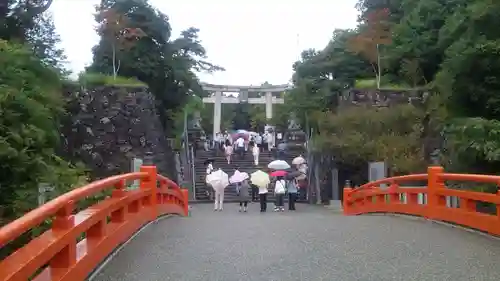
377,171
136,164
43,189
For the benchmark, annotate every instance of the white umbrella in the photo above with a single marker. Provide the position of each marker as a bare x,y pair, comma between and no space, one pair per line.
298,160
278,165
259,178
238,177
218,179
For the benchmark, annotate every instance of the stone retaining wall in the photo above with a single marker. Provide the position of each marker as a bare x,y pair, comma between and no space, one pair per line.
107,127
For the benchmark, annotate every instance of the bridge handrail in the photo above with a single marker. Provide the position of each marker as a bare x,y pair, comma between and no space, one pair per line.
391,180
35,217
372,198
105,225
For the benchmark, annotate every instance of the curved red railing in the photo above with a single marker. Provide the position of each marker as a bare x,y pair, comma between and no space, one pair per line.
428,201
56,254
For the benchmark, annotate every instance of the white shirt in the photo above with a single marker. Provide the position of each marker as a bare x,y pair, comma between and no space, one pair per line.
210,168
279,187
255,150
302,168
258,139
240,142
263,190
269,138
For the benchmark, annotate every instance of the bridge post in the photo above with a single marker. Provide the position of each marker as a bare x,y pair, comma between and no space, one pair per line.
185,197
345,196
66,257
149,183
434,183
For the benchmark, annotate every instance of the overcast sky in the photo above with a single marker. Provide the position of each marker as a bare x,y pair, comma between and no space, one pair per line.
256,41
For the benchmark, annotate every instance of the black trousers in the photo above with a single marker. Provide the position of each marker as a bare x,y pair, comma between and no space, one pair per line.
241,152
280,200
292,197
243,203
261,147
255,193
263,202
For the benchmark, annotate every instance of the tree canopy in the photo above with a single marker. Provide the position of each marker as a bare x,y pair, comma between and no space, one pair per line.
447,48
135,41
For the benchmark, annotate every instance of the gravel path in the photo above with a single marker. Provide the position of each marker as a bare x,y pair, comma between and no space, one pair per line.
310,244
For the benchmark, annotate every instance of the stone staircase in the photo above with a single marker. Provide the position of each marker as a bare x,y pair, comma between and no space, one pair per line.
245,165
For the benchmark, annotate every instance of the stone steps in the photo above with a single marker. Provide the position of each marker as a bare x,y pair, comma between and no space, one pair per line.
245,165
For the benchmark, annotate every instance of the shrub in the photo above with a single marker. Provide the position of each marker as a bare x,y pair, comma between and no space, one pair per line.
87,79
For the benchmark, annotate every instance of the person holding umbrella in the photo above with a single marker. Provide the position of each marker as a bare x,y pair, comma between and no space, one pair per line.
242,190
240,146
279,193
261,180
209,170
218,181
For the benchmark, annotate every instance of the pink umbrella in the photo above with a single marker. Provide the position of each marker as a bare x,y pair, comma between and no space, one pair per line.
278,174
238,177
238,135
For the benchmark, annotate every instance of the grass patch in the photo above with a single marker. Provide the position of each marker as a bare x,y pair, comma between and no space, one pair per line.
372,84
365,84
98,79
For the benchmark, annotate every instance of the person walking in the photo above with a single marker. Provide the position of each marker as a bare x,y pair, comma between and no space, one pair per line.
242,190
228,151
263,198
279,193
255,153
270,141
208,171
219,198
240,147
292,190
281,150
258,142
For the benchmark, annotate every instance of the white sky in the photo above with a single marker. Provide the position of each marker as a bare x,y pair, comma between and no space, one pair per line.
256,41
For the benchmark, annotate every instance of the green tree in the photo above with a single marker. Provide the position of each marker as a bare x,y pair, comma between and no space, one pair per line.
17,17
374,134
30,105
468,80
44,40
167,65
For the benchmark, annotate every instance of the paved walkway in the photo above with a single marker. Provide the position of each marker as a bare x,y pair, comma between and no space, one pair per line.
310,244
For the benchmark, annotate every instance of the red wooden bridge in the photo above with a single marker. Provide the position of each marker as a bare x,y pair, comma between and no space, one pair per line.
311,244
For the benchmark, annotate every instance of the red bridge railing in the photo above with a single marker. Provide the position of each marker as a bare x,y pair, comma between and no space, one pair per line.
76,243
394,198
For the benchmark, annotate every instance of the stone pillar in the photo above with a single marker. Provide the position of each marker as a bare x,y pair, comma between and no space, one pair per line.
217,112
269,106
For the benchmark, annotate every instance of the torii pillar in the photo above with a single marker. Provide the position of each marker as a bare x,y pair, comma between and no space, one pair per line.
217,112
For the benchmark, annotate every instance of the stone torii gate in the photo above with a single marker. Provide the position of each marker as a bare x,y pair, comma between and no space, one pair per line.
217,98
